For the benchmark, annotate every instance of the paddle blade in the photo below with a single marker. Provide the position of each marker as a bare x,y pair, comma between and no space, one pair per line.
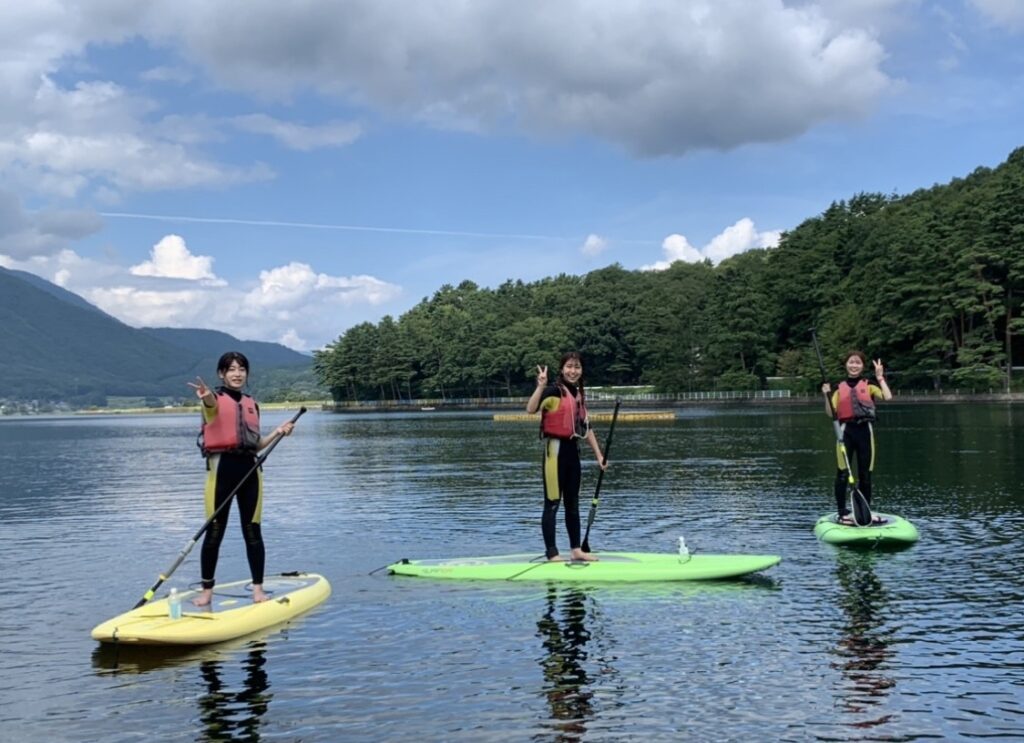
861,509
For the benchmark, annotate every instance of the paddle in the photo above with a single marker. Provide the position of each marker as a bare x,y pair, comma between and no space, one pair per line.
600,477
227,501
861,507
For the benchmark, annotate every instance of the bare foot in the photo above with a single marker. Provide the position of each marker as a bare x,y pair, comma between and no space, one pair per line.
556,558
578,554
204,598
258,596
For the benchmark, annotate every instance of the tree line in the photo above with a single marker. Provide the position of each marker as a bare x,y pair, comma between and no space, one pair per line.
931,282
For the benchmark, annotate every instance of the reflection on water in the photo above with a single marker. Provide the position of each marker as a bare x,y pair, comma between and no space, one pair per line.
864,652
564,635
115,659
922,644
235,714
228,711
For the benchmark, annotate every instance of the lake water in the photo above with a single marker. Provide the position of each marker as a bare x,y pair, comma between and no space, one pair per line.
831,644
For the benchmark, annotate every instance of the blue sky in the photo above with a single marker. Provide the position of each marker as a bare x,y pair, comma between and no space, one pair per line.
283,171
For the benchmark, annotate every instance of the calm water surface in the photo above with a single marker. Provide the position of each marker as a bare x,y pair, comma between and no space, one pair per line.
832,644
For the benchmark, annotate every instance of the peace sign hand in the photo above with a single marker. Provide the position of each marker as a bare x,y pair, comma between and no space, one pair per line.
879,369
202,391
542,376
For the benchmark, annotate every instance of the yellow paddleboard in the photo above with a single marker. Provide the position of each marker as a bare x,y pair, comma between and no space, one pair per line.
231,614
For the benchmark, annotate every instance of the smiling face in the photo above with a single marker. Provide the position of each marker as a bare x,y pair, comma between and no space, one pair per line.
235,376
572,370
854,365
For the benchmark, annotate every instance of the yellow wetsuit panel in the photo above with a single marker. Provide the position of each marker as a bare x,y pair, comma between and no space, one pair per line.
210,489
552,489
877,394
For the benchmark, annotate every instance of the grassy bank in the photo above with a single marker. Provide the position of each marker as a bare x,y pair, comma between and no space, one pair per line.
194,409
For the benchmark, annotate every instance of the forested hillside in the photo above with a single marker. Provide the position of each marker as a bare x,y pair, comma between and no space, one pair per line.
54,349
55,346
931,282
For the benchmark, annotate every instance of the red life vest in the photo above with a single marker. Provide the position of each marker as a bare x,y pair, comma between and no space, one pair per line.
855,403
562,422
236,427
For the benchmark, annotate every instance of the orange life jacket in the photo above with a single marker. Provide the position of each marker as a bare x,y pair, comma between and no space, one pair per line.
855,403
561,423
236,427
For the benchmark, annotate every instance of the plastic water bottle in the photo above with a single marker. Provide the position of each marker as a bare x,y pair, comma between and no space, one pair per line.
683,551
174,604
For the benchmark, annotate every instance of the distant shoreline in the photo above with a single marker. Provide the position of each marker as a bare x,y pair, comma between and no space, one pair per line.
605,402
194,409
483,404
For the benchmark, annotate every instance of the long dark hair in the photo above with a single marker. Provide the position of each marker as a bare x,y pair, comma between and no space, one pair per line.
566,358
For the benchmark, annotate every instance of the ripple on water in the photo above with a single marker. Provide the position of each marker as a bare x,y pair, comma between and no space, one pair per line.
833,644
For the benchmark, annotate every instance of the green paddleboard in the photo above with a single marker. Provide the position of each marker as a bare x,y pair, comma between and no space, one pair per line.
611,567
893,532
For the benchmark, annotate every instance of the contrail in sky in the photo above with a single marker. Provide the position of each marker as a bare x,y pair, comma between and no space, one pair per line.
315,226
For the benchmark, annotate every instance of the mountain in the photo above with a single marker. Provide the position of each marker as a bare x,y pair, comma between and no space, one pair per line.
60,293
212,343
56,346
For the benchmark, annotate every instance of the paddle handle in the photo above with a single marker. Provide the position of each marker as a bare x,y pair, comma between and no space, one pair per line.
148,595
861,508
824,379
600,477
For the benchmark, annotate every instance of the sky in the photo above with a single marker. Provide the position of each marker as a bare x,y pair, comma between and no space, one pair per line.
284,171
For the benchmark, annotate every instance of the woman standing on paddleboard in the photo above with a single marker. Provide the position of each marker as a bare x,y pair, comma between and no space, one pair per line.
854,405
230,441
564,422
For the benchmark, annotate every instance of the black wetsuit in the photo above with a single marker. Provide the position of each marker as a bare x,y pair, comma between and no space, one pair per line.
561,473
224,472
859,439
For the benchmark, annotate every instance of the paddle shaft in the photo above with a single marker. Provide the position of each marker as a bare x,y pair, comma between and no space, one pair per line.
600,477
855,492
148,595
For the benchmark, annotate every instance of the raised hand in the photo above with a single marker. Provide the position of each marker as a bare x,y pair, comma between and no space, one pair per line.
879,369
542,376
202,391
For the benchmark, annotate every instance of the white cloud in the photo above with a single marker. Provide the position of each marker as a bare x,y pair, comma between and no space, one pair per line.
286,287
299,137
60,138
125,160
1007,13
139,307
285,297
676,248
171,258
739,238
293,340
660,78
67,269
594,245
733,240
